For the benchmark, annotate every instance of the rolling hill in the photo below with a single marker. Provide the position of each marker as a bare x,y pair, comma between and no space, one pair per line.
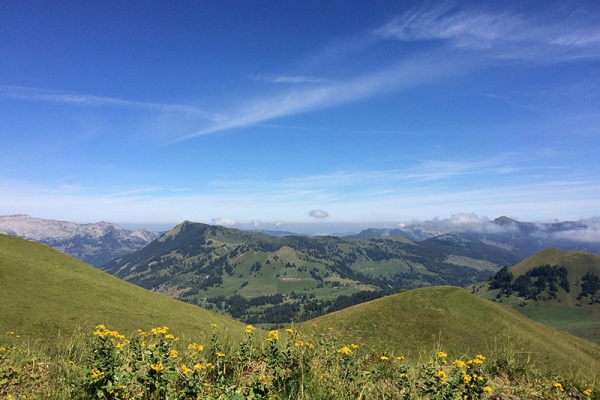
555,287
421,321
45,291
272,280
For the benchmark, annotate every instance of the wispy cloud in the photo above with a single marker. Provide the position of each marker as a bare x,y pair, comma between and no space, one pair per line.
51,96
280,78
270,202
417,71
506,34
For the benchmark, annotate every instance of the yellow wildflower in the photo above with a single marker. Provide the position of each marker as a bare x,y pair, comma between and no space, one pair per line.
298,343
274,335
354,346
173,353
480,357
96,374
289,330
159,331
101,327
587,392
250,329
345,350
213,325
157,367
262,377
314,324
218,354
383,358
558,386
185,369
441,374
487,389
199,366
467,378
196,347
459,363
170,336
441,354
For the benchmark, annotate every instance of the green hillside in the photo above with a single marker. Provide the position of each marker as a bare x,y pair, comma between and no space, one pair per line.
537,288
44,291
263,279
419,321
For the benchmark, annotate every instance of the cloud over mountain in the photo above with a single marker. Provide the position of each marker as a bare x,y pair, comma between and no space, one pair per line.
224,221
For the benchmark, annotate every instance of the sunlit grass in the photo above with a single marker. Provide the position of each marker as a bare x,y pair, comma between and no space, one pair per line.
286,364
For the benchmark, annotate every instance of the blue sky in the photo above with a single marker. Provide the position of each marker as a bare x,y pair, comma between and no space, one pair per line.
299,115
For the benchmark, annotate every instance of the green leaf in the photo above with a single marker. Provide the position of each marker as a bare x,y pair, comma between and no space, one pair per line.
4,381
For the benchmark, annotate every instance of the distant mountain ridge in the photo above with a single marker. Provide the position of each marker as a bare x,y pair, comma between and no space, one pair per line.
522,238
94,244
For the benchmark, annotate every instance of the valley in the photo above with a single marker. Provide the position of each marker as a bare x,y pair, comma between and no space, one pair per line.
262,279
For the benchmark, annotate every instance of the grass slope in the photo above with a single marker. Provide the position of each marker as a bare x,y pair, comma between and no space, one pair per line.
45,291
566,312
418,321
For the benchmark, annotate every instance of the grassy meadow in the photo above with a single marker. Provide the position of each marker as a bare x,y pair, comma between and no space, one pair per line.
70,331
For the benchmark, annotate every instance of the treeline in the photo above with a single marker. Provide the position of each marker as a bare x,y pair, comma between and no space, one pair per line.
533,283
284,309
590,285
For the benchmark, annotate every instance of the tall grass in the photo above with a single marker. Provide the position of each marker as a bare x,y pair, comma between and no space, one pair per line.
286,364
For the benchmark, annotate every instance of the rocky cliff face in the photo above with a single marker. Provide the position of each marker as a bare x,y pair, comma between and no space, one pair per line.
95,244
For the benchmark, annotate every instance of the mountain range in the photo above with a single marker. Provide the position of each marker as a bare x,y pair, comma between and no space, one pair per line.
522,238
243,273
94,244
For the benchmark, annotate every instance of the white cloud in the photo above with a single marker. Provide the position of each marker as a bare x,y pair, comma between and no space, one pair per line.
279,223
256,223
224,221
580,235
53,96
507,34
318,214
279,78
404,75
